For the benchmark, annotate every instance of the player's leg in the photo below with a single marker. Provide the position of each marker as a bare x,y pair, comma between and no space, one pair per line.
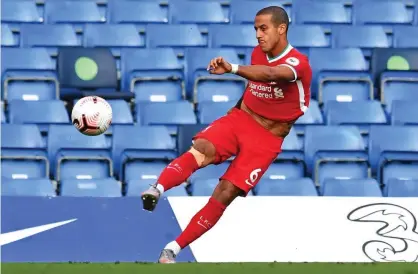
258,149
213,145
223,195
242,175
201,154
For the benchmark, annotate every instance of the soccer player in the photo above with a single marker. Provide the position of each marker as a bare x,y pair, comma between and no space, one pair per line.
277,94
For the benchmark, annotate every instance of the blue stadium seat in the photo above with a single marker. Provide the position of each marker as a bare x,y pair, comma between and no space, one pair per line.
205,187
208,87
404,113
76,13
405,37
247,54
15,12
415,14
177,36
290,162
34,65
23,154
27,187
170,114
154,75
108,187
324,13
114,37
7,37
351,188
240,37
364,37
359,113
305,37
48,36
284,170
137,186
210,111
340,75
41,113
385,13
209,172
402,170
290,187
150,142
3,115
292,149
139,13
312,116
218,89
394,146
76,156
192,12
121,112
244,12
185,134
398,85
335,152
147,170
401,188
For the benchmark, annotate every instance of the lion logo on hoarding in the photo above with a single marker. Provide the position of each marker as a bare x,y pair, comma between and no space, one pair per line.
398,236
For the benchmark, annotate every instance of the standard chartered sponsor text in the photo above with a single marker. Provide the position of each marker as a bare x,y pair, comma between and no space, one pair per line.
265,91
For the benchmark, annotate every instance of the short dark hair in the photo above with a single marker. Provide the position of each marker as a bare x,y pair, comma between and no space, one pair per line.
278,15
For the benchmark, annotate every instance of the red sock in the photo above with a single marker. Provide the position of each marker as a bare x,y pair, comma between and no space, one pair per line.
178,171
202,222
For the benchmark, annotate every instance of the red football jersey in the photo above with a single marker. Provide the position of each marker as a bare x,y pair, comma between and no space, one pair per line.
281,100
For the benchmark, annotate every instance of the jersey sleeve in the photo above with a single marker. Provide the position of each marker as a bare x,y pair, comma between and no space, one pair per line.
299,65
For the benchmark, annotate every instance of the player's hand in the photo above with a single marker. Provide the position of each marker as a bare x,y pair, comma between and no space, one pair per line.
219,65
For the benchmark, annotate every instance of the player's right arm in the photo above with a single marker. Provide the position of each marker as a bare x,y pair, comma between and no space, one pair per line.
293,70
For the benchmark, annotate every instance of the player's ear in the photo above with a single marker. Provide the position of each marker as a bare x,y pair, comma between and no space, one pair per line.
282,29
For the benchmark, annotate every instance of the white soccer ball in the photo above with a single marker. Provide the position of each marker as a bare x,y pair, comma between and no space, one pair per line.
91,115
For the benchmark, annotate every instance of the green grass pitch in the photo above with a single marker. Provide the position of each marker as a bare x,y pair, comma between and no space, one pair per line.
204,268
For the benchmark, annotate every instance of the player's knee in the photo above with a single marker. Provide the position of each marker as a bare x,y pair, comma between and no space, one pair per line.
226,192
203,151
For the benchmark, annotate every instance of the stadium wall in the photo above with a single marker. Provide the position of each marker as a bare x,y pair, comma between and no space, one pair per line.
253,229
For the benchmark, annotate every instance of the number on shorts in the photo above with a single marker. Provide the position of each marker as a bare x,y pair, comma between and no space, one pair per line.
253,177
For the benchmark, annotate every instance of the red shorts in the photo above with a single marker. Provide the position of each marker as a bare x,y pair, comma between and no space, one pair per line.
237,133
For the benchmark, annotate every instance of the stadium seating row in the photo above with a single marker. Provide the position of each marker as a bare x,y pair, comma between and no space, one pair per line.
327,151
207,12
359,113
204,187
191,35
161,49
158,75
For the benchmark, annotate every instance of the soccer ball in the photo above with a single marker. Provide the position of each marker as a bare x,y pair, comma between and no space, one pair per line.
92,115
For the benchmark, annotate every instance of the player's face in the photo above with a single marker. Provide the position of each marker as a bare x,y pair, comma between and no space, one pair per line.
268,35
